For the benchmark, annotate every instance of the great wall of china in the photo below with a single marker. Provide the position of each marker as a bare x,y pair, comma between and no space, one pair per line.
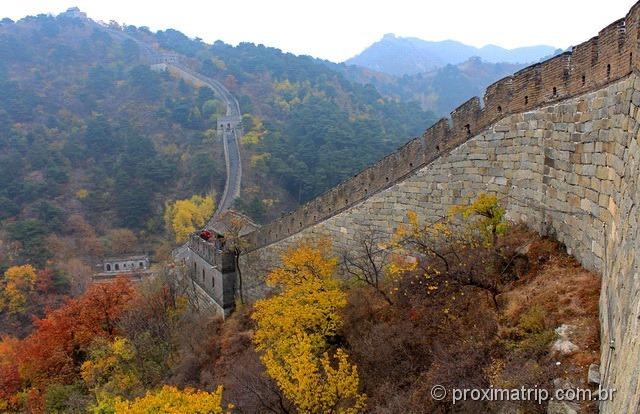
556,141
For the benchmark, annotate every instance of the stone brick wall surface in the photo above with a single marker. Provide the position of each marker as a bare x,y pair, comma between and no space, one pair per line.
569,168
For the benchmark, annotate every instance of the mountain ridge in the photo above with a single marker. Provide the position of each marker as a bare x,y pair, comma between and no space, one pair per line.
400,56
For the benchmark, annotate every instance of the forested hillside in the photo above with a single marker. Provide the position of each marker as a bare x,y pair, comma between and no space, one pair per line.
308,127
93,143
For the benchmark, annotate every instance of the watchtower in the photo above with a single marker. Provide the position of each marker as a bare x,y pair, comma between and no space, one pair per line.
210,258
228,123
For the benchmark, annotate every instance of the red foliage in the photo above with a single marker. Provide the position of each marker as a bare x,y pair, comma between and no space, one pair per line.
55,350
9,376
44,282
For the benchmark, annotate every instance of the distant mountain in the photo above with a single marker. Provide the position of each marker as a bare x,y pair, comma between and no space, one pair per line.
408,55
438,90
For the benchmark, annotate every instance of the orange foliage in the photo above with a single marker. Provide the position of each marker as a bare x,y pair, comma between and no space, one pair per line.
9,376
55,350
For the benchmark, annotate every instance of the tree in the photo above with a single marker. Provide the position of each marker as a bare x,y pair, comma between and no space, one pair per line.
110,369
294,329
435,246
311,382
55,350
183,217
368,262
20,281
489,217
121,241
10,381
172,400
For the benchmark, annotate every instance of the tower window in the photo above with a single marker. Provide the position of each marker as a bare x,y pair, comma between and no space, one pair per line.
499,109
555,91
526,100
608,71
584,80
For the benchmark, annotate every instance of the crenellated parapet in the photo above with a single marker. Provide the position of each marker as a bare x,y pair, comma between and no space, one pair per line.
589,66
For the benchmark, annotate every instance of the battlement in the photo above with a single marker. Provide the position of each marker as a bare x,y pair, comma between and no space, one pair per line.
589,66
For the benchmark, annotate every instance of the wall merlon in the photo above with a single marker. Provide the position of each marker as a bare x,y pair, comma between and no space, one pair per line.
496,97
526,89
555,74
583,58
613,61
436,136
465,118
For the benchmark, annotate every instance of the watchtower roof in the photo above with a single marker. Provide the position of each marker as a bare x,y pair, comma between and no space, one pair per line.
229,220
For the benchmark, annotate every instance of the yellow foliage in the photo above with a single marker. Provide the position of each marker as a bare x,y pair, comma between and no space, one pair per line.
19,282
489,216
81,194
294,325
482,221
251,137
259,158
210,134
183,217
312,383
256,132
269,202
171,400
285,85
219,63
110,368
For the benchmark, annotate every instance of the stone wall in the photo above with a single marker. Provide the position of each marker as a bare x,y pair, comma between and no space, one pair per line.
569,168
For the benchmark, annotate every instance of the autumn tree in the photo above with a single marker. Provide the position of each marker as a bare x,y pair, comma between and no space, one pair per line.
295,328
120,241
110,369
183,217
484,215
435,246
368,262
19,282
54,352
172,400
10,381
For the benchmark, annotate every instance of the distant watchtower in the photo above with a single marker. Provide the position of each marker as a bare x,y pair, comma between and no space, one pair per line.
228,123
75,13
134,267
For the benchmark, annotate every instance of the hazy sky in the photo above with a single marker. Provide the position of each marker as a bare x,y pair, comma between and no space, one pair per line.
339,29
